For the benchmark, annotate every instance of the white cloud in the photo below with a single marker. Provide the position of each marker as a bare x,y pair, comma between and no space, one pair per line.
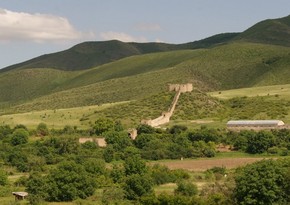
35,27
110,35
148,27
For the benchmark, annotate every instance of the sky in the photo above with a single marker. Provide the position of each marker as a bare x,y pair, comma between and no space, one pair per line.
30,28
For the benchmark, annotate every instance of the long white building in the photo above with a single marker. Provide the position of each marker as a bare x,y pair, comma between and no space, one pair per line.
255,124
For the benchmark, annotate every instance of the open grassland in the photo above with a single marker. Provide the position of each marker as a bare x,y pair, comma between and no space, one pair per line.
198,165
193,110
55,119
282,91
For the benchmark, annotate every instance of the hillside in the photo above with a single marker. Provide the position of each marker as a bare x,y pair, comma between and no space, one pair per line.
234,65
91,54
271,31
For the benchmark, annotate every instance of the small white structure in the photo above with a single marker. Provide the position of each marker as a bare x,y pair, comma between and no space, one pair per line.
20,195
247,124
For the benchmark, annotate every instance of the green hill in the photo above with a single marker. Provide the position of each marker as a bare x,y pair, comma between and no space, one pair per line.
229,66
91,54
271,31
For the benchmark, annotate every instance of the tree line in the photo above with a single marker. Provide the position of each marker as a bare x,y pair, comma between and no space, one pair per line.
62,169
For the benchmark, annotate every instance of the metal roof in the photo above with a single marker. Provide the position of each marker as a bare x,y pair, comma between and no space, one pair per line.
255,122
20,193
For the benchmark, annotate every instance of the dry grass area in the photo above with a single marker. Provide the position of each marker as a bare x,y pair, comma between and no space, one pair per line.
204,164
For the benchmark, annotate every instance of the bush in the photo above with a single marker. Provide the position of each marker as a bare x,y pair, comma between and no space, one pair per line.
138,185
264,182
19,136
3,178
42,129
162,174
186,188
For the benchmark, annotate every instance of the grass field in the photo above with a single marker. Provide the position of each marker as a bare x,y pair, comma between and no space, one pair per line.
274,90
193,109
55,119
203,164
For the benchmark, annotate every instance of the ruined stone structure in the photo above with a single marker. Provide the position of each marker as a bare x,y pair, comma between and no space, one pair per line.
181,87
165,116
132,132
101,142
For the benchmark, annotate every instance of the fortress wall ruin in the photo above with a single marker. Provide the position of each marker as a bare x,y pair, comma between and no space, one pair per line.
165,117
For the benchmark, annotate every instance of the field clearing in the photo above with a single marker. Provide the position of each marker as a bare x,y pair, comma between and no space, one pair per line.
281,90
204,164
55,119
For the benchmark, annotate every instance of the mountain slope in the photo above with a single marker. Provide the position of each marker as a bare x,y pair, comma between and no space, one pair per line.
271,31
91,54
229,66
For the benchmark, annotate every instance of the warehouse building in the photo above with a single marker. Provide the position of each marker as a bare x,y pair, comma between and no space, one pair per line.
254,124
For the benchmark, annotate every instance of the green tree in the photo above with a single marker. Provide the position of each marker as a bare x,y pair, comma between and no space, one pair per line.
186,188
42,129
112,195
203,149
109,153
35,186
137,185
19,136
3,178
95,166
103,125
119,140
162,174
5,130
177,129
262,183
68,182
117,173
18,158
260,142
68,130
135,165
147,129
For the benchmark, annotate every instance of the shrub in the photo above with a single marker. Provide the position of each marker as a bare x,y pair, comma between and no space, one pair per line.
186,188
19,136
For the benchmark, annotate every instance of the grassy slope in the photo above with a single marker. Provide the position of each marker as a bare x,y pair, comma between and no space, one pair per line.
281,90
193,109
23,85
19,86
229,66
91,54
115,90
271,31
240,65
132,66
82,56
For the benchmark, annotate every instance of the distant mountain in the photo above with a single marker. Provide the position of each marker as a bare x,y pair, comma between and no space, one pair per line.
91,54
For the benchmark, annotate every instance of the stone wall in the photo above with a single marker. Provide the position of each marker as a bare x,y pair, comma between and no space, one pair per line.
181,87
165,116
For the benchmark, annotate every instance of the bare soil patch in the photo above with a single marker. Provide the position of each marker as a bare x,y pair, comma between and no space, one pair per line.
204,164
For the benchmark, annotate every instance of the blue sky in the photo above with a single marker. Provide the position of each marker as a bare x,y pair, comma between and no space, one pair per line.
29,28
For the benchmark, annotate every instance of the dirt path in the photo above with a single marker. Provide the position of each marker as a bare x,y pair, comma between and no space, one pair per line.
204,164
